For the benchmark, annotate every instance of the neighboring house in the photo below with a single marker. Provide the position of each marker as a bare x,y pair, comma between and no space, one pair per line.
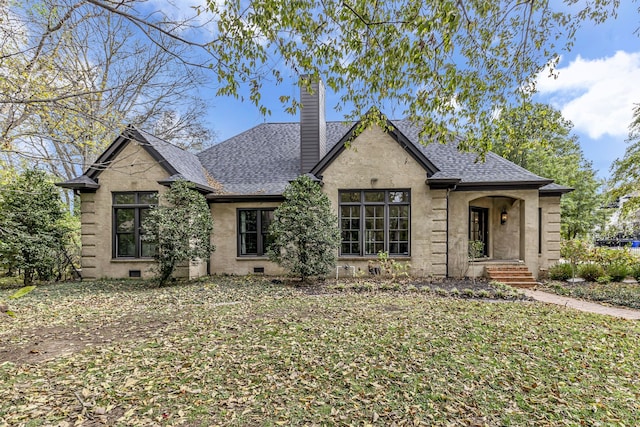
422,204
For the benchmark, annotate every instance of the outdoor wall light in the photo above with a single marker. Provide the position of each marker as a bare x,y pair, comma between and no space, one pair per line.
503,216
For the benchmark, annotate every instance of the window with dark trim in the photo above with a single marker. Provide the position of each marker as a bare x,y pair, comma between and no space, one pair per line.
253,231
479,227
374,220
129,212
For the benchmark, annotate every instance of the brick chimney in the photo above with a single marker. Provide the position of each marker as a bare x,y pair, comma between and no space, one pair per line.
313,126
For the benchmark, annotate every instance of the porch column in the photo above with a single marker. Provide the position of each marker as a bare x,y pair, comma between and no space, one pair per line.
529,232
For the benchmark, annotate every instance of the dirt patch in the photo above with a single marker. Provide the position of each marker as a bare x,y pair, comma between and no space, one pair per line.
44,344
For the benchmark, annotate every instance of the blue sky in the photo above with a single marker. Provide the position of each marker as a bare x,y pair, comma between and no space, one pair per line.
598,83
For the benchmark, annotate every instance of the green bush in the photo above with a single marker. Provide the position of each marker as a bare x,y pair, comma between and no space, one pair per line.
609,256
590,272
560,272
305,231
180,228
618,271
635,272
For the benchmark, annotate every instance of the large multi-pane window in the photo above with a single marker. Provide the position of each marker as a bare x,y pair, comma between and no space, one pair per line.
374,220
129,213
253,231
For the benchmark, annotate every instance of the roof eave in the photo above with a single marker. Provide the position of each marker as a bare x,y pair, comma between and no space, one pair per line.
80,186
556,192
236,198
128,135
392,131
442,183
502,185
201,188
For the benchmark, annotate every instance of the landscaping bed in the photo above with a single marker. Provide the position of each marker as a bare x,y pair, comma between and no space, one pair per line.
466,288
618,293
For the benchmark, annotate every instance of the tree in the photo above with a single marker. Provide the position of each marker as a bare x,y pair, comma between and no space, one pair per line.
181,227
452,61
625,179
537,137
34,226
73,72
304,231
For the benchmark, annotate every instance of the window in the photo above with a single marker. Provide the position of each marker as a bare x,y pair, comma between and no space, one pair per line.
479,227
374,221
539,230
129,213
253,231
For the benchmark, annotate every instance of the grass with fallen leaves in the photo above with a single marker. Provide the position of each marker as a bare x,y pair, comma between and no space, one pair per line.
242,351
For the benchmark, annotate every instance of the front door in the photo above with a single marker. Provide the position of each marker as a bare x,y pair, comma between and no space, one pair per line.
479,227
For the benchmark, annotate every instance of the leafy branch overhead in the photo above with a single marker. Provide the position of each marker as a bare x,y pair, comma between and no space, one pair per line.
74,72
78,69
454,62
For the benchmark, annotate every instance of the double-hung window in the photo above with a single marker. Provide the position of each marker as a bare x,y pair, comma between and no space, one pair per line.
372,221
129,212
253,231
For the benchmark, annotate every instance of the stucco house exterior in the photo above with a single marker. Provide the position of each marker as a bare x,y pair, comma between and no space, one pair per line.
421,204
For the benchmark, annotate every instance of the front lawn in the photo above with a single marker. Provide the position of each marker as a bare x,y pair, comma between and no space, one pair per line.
622,294
243,351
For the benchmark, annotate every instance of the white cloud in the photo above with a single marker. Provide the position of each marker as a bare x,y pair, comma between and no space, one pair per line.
597,95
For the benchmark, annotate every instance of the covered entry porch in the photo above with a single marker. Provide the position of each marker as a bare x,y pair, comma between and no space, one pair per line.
502,227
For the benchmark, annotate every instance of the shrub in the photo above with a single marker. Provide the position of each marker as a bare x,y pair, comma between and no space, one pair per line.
574,250
305,231
603,280
468,293
483,293
560,272
618,271
635,272
391,267
180,228
590,272
441,291
35,229
608,256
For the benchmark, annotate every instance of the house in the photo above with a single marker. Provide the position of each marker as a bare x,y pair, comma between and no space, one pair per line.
421,204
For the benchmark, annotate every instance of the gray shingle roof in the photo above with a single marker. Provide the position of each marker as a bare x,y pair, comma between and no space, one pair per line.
261,160
186,165
453,164
264,159
180,164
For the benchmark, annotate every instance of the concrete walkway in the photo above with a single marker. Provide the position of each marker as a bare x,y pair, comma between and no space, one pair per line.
577,304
